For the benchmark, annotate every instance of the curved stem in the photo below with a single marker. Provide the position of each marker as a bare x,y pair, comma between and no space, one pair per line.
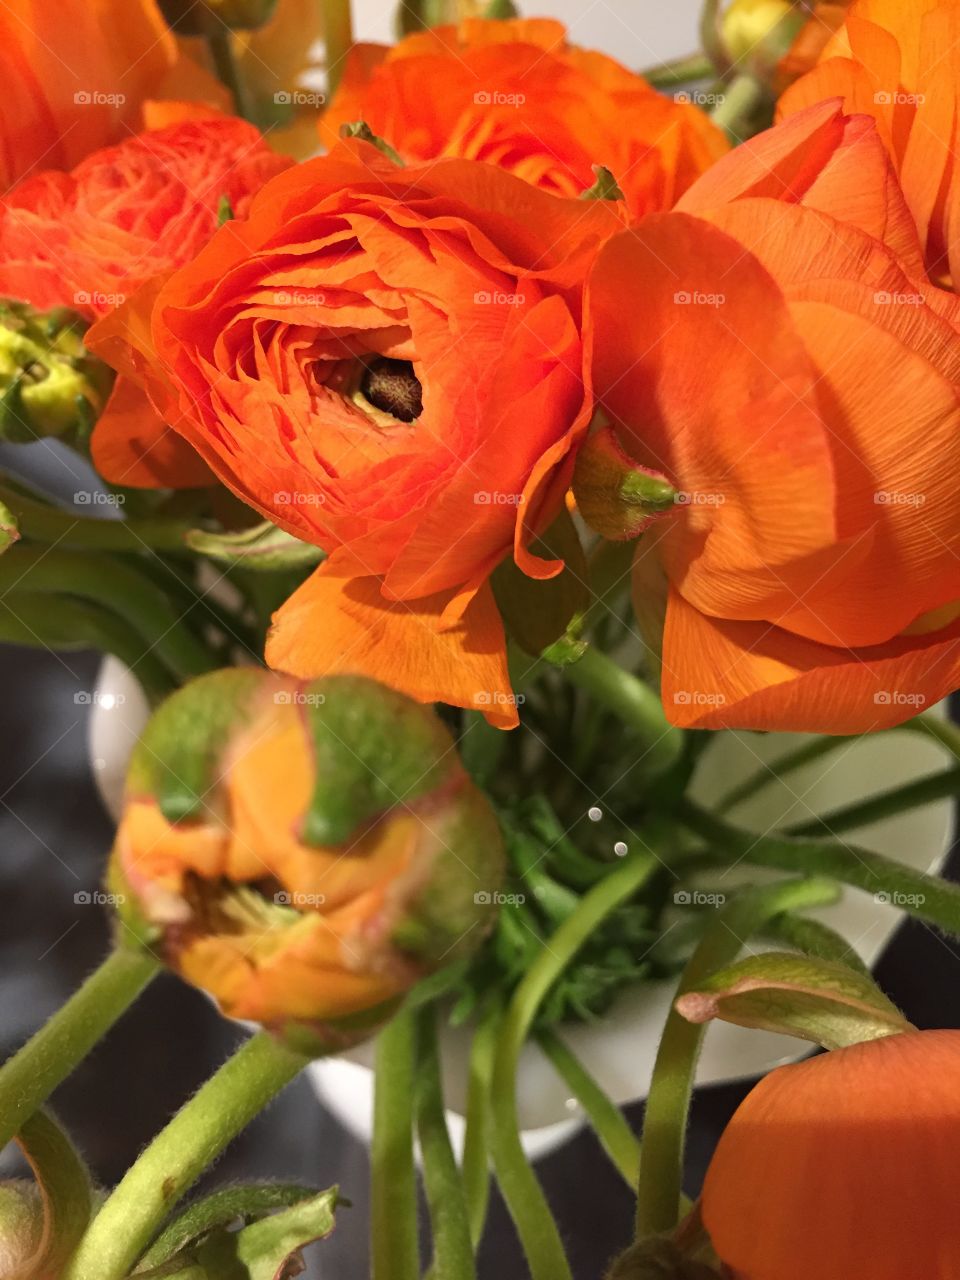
634,702
927,897
476,1149
220,43
452,1245
659,1186
338,39
31,1075
393,1208
913,795
814,939
606,1118
173,1161
521,1190
741,98
667,75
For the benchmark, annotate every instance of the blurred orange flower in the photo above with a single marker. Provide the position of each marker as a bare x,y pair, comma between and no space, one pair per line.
126,215
843,1167
514,93
77,73
796,378
900,63
389,363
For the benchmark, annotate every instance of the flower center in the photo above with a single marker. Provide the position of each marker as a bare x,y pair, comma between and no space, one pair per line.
393,387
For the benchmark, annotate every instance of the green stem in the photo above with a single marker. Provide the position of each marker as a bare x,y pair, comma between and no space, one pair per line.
741,97
814,939
131,1216
667,75
659,1186
338,39
31,1075
521,1190
452,1245
926,897
39,522
913,795
220,43
114,585
634,702
393,1209
476,1149
606,1118
37,622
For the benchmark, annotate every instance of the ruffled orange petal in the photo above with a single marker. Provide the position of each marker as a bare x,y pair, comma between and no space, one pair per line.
751,675
334,625
133,446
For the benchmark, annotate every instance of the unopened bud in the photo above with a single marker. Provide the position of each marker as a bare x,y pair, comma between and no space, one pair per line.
758,33
21,1226
49,383
206,17
305,852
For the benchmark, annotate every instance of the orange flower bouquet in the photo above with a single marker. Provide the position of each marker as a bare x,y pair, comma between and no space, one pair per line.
487,457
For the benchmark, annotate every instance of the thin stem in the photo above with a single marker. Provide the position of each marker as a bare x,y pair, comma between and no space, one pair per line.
393,1209
606,1119
476,1148
913,795
634,702
338,39
667,75
521,1190
173,1161
926,897
39,522
740,99
787,764
452,1245
31,1075
659,1186
814,939
220,43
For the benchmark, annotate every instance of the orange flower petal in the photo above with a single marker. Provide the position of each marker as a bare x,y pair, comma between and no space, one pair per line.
133,446
333,625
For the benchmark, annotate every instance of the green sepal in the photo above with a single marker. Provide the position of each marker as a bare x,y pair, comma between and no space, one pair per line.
263,548
360,129
177,760
538,611
659,1259
818,1000
615,495
606,186
374,749
66,1196
224,211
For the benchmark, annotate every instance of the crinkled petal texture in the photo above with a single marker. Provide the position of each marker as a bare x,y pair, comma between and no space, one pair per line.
900,64
76,75
795,376
95,238
389,363
843,1167
515,94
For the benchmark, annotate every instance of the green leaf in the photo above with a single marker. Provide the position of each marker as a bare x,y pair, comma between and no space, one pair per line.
606,186
818,1000
224,211
65,1192
360,129
263,547
538,611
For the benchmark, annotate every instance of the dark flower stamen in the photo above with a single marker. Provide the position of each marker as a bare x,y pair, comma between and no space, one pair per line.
391,385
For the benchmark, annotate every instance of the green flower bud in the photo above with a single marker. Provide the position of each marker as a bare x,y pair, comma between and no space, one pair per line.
203,17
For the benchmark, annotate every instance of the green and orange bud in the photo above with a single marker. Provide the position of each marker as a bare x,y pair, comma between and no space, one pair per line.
844,1165
305,852
616,495
757,34
50,385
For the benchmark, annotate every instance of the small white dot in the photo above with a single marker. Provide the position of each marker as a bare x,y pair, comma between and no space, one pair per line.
571,1104
620,849
595,813
108,701
99,763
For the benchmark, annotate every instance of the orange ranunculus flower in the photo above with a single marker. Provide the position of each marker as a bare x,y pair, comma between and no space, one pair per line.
305,853
843,1167
515,94
77,73
91,238
900,63
825,20
389,363
794,375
